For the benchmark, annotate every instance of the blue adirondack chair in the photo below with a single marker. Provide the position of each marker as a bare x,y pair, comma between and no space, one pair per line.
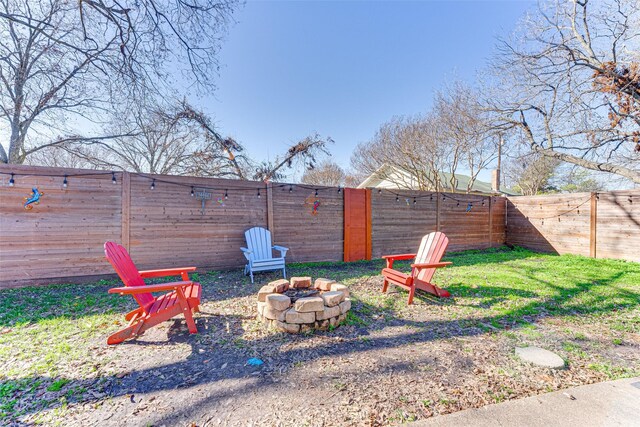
259,252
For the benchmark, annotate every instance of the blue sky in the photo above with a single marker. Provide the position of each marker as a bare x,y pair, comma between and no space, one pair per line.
343,68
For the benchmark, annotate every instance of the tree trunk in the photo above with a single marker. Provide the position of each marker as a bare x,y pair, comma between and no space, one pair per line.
16,143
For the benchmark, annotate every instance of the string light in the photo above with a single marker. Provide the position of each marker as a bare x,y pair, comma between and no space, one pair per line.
414,201
316,192
291,189
153,184
482,202
192,192
457,203
431,197
64,182
113,178
397,198
259,193
379,190
443,197
339,190
11,181
226,196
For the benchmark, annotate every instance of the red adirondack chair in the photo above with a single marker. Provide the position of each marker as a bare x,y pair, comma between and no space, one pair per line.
426,261
184,296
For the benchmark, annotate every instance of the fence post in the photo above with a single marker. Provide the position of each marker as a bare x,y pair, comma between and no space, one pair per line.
437,211
270,210
490,221
126,208
593,224
368,230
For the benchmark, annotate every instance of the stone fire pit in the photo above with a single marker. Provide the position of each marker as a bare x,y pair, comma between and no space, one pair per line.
296,306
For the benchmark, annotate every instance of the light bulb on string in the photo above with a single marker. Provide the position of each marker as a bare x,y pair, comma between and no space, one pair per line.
192,192
431,197
153,184
397,198
316,192
443,197
113,178
64,182
379,190
12,181
259,193
339,190
291,189
482,202
414,201
226,195
457,203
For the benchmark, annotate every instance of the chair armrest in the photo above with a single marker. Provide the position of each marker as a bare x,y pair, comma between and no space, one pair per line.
161,287
434,265
166,272
399,256
247,253
282,249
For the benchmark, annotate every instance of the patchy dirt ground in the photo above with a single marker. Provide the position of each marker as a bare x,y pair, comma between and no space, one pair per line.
390,363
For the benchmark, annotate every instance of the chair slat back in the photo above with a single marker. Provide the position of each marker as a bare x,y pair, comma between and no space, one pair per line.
126,269
431,251
259,243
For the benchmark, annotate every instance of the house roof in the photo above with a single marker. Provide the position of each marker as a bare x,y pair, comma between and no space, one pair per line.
378,180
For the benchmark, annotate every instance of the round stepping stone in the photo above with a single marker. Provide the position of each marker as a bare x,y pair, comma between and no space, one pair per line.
540,356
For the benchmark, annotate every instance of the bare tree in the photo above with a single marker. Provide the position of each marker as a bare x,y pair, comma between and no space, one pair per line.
64,61
175,138
429,151
568,80
466,128
163,143
327,173
404,151
303,153
531,173
574,179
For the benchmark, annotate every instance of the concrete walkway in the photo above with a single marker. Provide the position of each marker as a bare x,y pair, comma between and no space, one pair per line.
612,403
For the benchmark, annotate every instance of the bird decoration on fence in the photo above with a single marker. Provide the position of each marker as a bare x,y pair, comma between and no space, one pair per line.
32,199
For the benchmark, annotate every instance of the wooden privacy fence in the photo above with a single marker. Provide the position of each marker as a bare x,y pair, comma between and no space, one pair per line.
62,237
602,225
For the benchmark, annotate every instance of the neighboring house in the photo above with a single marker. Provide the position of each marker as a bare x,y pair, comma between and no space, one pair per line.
394,178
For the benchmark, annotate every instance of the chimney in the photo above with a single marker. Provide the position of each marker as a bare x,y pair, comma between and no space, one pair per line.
495,180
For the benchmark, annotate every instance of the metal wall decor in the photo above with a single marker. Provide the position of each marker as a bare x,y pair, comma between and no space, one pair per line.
32,199
203,195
